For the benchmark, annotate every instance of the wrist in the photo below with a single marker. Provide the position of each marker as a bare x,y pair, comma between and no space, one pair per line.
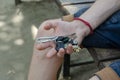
81,28
86,23
79,24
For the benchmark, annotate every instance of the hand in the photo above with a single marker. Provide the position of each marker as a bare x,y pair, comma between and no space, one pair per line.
60,28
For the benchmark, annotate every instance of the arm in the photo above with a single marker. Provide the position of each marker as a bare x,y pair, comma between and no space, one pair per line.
100,11
43,68
95,15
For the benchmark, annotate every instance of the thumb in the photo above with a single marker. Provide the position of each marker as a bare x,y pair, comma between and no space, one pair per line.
50,24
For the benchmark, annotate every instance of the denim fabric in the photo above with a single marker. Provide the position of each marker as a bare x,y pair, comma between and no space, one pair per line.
116,67
107,35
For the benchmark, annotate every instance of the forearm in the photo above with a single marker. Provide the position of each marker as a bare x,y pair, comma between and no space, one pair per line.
100,11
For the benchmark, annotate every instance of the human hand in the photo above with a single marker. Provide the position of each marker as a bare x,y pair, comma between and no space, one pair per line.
57,27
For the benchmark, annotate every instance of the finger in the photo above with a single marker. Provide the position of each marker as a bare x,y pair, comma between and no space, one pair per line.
61,52
42,46
50,24
51,53
69,49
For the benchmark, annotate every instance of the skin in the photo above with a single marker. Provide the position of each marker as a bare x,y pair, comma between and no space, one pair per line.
46,60
94,78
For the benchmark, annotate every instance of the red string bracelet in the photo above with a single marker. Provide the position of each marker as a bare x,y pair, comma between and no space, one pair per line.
86,23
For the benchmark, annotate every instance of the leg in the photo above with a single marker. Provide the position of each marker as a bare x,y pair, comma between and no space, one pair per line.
109,73
116,67
94,78
43,68
106,36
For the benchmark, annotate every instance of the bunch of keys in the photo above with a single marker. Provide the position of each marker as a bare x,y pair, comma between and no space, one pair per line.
61,41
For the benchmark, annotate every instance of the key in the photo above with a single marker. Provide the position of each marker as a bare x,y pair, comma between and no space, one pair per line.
61,41
46,39
59,44
76,48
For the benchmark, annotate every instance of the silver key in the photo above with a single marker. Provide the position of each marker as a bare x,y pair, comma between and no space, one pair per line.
46,39
73,36
53,38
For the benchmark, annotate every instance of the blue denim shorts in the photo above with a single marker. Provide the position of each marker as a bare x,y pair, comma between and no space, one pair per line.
107,35
116,67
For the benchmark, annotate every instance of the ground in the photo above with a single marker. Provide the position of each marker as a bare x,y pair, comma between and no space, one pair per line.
18,26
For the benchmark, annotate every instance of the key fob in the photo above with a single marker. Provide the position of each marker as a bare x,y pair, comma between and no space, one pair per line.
59,44
73,42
